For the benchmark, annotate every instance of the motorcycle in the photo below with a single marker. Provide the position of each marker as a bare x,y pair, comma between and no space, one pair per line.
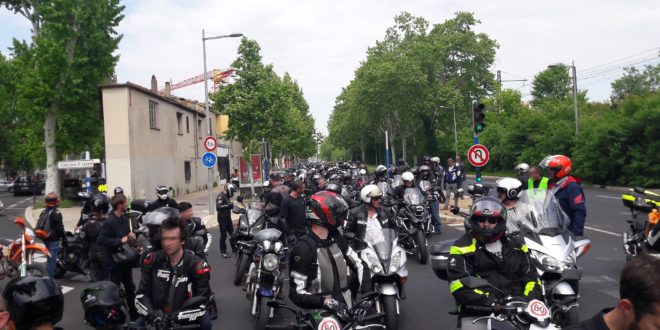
511,313
18,259
322,319
250,222
643,207
432,195
413,221
73,257
387,262
265,280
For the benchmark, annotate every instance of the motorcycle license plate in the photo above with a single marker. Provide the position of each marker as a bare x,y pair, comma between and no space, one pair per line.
329,323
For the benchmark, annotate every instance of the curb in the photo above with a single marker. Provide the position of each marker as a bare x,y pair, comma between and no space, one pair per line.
450,218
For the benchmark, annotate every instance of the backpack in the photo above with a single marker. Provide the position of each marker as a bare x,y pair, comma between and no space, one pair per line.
43,228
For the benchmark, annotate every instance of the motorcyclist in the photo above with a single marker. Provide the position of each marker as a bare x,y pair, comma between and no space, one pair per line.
568,191
276,195
370,214
402,166
408,182
522,170
380,174
224,206
163,199
89,233
195,226
486,251
319,183
171,276
425,174
508,191
85,211
154,222
322,262
33,303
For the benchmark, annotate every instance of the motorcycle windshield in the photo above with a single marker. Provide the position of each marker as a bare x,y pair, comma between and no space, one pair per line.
425,185
269,234
255,212
539,209
396,181
412,196
385,188
382,240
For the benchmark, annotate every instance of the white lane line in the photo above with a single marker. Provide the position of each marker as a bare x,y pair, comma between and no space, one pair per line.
454,225
12,206
610,197
66,289
608,278
603,231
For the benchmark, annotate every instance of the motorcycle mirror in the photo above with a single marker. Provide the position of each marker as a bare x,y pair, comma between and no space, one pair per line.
239,199
639,190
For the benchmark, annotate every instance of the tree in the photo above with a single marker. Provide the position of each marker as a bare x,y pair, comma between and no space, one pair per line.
553,82
636,82
70,53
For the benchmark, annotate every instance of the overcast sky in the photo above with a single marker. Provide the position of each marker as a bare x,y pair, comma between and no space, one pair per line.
321,43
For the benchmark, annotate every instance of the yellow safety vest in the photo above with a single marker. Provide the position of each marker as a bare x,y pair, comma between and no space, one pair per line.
542,186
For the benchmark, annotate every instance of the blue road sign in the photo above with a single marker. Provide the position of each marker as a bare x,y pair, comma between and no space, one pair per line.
209,159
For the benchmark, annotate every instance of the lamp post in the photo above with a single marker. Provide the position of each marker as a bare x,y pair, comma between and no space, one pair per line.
575,106
453,108
206,106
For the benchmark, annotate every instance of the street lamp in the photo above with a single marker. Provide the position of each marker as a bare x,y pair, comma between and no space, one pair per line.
453,108
575,106
206,106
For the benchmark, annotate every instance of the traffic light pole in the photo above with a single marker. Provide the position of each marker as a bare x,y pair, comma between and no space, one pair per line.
477,175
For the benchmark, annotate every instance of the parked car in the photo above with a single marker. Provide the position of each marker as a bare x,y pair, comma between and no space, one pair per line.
25,186
71,188
6,185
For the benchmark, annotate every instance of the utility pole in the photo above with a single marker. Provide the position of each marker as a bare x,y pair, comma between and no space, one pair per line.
387,154
575,106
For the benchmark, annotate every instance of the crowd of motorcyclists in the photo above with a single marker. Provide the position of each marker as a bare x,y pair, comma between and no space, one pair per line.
328,213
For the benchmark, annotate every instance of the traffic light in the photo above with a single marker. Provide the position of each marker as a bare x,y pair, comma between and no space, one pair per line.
477,177
479,116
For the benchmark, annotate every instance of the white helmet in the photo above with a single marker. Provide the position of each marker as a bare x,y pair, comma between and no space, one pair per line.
266,183
369,191
522,168
407,176
510,187
435,160
363,172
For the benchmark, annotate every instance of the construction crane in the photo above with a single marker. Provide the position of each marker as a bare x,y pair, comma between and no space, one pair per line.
218,76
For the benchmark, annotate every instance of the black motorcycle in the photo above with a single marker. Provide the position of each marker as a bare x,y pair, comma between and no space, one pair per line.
250,222
73,257
413,221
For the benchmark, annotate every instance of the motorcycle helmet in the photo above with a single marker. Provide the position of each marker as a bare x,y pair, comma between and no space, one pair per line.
559,164
317,176
266,184
118,190
522,168
363,172
369,192
230,189
328,209
407,177
154,220
103,303
162,191
488,209
381,170
52,199
346,177
510,187
425,170
32,301
435,160
427,159
100,203
334,187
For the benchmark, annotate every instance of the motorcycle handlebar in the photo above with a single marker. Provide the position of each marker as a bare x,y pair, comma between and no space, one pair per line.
370,318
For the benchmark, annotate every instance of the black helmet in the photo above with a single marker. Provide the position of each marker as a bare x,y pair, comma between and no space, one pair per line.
484,209
346,176
230,189
100,203
334,187
32,301
329,209
154,220
103,303
402,162
162,191
118,190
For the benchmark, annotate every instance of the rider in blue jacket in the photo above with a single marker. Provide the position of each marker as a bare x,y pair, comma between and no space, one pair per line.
567,190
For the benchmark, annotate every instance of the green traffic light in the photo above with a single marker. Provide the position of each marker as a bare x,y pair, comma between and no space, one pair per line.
478,179
480,127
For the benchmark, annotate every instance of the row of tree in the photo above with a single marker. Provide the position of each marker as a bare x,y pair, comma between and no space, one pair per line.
263,106
411,80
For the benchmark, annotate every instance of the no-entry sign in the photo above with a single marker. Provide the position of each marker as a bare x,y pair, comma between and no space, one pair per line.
478,155
210,143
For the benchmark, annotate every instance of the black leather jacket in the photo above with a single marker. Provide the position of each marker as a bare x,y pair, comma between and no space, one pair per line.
223,205
165,288
158,203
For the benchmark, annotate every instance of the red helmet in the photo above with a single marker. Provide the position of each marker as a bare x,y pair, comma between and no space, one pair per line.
330,210
561,164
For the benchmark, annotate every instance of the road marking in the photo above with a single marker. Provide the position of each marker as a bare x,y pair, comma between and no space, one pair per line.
610,197
603,231
12,206
66,289
608,278
455,224
26,200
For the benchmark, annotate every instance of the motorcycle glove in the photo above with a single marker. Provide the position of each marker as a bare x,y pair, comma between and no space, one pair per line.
155,315
338,308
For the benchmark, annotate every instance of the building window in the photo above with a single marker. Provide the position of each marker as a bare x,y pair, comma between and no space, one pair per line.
153,114
199,128
186,171
178,123
187,124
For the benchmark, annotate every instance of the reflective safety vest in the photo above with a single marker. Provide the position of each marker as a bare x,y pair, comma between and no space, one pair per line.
537,193
542,186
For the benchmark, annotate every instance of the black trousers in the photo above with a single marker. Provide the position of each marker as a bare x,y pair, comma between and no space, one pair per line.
124,275
226,229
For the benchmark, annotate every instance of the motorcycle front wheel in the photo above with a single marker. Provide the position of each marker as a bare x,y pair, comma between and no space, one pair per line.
391,316
422,250
261,318
241,268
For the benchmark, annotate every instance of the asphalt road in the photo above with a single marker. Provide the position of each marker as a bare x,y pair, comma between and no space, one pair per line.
428,300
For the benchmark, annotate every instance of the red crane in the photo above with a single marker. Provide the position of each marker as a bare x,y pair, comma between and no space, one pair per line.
218,76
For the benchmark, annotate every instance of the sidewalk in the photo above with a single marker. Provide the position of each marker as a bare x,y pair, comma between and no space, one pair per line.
449,218
199,200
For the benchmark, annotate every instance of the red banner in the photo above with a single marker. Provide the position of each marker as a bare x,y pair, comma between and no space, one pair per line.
256,170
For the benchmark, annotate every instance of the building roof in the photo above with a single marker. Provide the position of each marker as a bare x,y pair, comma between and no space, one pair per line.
183,103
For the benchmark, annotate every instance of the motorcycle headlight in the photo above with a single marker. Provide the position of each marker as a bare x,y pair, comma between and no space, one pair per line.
266,245
374,263
395,262
277,247
549,263
270,262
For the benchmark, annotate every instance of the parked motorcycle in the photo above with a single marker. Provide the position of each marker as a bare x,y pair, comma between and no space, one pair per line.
639,237
73,257
326,320
512,313
18,257
265,280
413,221
387,262
250,222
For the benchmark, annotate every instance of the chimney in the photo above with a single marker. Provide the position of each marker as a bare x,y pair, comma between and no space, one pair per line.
168,89
154,84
